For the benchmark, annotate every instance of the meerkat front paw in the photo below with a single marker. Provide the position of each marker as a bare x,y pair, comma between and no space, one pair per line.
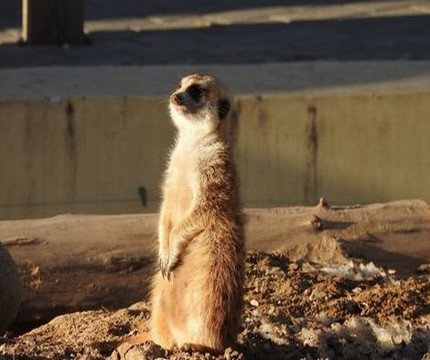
168,265
164,260
165,269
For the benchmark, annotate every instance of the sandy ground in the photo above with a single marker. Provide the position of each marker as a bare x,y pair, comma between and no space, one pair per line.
321,283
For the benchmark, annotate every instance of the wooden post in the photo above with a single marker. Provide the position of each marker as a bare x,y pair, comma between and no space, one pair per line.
53,22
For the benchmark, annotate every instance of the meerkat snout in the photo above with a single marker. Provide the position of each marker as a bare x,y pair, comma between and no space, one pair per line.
177,99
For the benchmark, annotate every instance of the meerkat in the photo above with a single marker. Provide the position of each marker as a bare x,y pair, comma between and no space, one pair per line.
197,295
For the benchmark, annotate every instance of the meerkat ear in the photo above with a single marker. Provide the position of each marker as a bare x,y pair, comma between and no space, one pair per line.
223,108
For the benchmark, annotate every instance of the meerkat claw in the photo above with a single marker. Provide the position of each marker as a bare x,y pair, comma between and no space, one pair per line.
166,269
163,268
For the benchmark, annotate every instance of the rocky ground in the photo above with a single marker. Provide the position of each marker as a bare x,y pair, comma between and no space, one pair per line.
294,310
322,282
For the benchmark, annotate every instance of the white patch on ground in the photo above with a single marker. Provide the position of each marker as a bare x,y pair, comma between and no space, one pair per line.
277,333
398,332
355,271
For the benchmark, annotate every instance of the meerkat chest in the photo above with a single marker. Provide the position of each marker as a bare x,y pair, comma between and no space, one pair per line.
182,181
183,168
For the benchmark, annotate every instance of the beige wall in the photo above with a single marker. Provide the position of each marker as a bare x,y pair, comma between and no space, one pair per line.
90,155
351,149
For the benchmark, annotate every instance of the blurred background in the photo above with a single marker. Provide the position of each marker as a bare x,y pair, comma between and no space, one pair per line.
332,99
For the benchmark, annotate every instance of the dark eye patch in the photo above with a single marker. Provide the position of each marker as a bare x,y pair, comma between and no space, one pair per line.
195,91
223,108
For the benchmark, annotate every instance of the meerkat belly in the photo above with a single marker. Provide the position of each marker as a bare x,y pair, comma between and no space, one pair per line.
180,192
178,201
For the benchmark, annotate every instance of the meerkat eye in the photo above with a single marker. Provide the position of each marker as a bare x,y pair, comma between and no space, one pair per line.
223,108
195,91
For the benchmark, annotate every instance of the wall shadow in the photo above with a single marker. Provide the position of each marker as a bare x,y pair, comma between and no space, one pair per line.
10,13
392,38
354,39
10,10
132,9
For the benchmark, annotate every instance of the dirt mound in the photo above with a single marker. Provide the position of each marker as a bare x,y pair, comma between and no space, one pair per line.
293,310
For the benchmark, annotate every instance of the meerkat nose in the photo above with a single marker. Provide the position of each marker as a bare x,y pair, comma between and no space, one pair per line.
177,99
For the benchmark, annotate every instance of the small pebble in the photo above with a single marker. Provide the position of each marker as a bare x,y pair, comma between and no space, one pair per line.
316,223
293,267
424,269
323,203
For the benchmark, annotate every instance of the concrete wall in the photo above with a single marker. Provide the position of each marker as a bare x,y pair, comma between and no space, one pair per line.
92,155
351,149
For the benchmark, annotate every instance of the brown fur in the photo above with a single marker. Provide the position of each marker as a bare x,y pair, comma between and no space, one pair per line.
198,294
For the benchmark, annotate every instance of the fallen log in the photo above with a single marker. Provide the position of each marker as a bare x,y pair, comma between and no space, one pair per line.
71,263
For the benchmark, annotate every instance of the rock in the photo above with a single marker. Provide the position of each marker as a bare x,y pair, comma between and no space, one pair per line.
323,203
316,223
424,269
10,290
145,351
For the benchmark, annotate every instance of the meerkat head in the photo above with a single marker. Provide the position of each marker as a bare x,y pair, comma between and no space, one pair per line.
199,98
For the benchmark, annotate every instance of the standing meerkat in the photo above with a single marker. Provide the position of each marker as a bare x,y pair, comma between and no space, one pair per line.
197,295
